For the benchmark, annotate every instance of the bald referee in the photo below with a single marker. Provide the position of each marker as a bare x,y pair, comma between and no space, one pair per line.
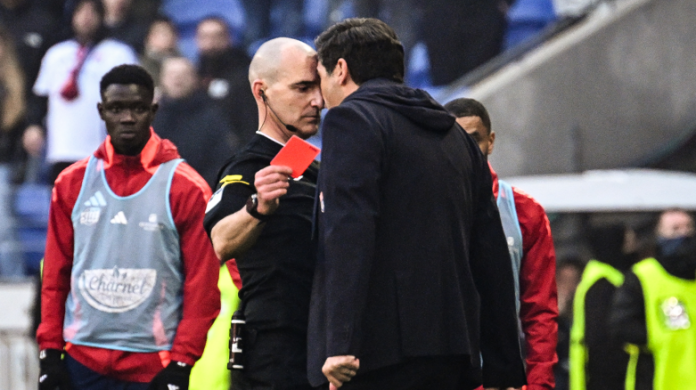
263,220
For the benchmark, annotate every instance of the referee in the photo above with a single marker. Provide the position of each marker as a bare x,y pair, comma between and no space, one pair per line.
263,220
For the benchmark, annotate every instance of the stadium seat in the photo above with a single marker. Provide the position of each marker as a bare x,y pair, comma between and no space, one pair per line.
31,206
186,14
527,18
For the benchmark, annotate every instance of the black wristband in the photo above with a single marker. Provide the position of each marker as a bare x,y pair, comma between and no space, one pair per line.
252,208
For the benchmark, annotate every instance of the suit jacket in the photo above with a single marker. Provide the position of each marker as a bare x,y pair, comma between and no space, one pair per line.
412,258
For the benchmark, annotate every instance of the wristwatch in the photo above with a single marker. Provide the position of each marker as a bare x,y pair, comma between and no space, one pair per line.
252,205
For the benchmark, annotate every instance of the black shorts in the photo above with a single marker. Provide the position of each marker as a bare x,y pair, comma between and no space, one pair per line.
273,360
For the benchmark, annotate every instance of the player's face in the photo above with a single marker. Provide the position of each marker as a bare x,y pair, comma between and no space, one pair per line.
473,125
128,112
296,96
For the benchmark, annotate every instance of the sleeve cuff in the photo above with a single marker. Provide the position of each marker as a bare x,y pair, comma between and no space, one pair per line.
183,358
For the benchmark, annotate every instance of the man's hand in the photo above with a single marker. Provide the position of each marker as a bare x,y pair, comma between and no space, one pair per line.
174,377
340,369
53,374
271,183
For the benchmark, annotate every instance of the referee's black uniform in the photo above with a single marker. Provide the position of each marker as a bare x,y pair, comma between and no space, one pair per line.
276,271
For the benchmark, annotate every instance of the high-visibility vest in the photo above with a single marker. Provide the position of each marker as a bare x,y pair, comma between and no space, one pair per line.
594,271
210,371
670,305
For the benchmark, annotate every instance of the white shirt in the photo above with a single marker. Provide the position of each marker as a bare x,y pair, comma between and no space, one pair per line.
74,129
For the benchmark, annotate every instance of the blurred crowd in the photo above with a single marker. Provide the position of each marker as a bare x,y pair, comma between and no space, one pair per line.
54,52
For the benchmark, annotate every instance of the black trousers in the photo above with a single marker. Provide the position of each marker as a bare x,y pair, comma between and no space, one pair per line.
422,373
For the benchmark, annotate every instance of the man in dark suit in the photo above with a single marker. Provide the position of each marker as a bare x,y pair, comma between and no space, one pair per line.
413,283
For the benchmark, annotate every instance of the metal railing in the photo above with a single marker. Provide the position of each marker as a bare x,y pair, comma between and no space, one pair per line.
19,363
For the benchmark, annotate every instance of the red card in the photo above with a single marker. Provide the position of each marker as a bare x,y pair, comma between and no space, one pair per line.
296,154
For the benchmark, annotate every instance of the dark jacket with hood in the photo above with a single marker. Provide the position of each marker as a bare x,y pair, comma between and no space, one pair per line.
412,259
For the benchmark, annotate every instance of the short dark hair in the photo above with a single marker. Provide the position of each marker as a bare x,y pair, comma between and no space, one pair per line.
216,19
159,18
469,107
128,74
369,46
98,7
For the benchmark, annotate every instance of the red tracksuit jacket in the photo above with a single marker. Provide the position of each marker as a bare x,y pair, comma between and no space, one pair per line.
539,307
126,175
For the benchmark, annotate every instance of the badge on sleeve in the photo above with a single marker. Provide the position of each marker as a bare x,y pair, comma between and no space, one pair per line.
214,200
675,315
231,179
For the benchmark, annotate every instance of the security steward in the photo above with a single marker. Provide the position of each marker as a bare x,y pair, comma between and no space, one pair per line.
653,311
597,360
263,219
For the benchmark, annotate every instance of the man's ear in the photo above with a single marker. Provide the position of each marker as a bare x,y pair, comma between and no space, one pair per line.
257,89
154,107
491,138
342,72
100,109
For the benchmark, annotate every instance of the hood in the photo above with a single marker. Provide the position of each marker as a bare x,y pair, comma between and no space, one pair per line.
156,151
415,104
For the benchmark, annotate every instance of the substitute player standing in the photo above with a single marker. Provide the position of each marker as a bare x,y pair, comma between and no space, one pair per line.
130,278
531,249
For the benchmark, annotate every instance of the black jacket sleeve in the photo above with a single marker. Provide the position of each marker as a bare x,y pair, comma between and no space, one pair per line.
492,271
627,315
627,325
606,366
350,227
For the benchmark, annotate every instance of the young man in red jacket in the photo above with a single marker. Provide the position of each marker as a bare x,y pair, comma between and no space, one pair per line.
130,277
531,250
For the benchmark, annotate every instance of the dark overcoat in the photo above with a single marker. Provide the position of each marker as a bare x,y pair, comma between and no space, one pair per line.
412,259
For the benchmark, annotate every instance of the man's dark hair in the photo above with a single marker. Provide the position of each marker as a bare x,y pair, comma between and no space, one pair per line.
469,107
98,6
128,74
369,46
216,19
165,20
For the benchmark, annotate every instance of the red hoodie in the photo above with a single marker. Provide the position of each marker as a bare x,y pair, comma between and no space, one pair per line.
126,175
539,307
